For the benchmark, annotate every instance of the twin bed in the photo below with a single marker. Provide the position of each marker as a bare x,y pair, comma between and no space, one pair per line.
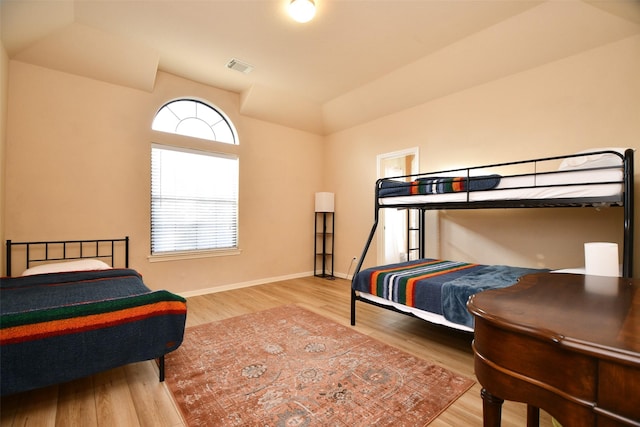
72,313
438,290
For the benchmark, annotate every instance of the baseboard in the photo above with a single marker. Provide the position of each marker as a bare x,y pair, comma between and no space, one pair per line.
250,283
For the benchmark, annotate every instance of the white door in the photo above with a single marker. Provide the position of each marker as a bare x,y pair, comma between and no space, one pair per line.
392,229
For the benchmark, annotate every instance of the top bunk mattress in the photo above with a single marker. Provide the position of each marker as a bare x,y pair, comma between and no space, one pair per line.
591,176
563,185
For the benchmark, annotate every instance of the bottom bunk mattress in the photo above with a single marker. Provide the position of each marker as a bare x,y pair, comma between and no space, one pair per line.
61,326
436,286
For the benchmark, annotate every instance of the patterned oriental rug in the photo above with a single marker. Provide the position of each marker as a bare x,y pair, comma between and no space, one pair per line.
288,366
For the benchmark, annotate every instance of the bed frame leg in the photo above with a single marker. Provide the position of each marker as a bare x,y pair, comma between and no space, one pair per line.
161,367
353,308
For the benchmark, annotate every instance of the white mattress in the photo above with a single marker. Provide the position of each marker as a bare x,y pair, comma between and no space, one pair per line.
424,315
508,188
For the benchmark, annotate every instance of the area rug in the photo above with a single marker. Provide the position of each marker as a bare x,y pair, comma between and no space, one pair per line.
288,366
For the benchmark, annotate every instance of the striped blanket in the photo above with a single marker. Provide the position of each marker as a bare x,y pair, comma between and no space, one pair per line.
61,326
437,185
438,286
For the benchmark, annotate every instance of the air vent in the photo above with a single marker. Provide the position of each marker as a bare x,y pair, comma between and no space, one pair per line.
243,67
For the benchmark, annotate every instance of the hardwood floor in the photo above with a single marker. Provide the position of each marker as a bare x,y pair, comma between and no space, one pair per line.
132,396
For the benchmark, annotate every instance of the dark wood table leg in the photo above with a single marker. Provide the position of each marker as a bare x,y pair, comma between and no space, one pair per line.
533,416
491,409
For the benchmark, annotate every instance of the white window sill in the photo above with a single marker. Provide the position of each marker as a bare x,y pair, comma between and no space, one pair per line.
176,256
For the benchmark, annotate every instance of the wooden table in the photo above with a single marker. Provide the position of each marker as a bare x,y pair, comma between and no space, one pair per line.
566,343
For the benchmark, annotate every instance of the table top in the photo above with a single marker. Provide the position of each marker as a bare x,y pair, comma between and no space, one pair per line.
589,314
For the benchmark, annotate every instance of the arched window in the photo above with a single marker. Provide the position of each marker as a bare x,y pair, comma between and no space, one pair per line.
189,117
194,193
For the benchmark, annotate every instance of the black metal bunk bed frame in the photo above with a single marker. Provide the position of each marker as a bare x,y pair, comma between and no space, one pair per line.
626,201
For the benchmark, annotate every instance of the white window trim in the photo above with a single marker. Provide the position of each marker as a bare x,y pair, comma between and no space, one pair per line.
207,104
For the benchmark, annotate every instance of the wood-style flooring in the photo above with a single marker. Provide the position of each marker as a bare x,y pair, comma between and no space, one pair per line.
133,396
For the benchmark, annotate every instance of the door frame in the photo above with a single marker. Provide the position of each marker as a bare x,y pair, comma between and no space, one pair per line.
380,159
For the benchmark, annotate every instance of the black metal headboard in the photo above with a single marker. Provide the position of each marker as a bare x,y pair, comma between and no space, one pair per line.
59,250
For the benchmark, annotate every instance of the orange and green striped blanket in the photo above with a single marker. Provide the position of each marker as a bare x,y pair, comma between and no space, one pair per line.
61,326
437,286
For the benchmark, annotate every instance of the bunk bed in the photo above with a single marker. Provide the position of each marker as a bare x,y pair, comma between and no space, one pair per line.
437,290
72,313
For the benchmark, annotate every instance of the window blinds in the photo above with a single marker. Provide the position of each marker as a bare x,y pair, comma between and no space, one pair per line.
194,200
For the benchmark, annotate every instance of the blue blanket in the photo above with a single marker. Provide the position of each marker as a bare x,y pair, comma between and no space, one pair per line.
45,291
456,292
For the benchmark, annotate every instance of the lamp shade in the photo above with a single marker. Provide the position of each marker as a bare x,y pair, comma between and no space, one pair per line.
601,259
324,202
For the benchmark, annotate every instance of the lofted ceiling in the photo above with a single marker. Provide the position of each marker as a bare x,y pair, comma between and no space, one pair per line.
356,61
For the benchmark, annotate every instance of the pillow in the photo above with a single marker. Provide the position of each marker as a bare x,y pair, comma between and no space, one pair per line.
59,267
593,160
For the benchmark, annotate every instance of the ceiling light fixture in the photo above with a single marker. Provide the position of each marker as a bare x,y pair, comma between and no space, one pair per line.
302,10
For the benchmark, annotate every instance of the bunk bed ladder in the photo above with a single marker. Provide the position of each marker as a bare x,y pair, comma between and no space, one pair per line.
415,234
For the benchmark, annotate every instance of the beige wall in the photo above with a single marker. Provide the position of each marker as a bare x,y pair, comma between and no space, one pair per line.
583,101
78,166
4,84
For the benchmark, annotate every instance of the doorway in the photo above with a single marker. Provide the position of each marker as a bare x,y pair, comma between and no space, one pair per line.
392,232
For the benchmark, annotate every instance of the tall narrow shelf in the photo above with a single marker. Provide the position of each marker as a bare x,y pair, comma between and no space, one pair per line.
324,244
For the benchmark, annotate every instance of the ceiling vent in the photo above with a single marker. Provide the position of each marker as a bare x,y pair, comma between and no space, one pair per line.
243,67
